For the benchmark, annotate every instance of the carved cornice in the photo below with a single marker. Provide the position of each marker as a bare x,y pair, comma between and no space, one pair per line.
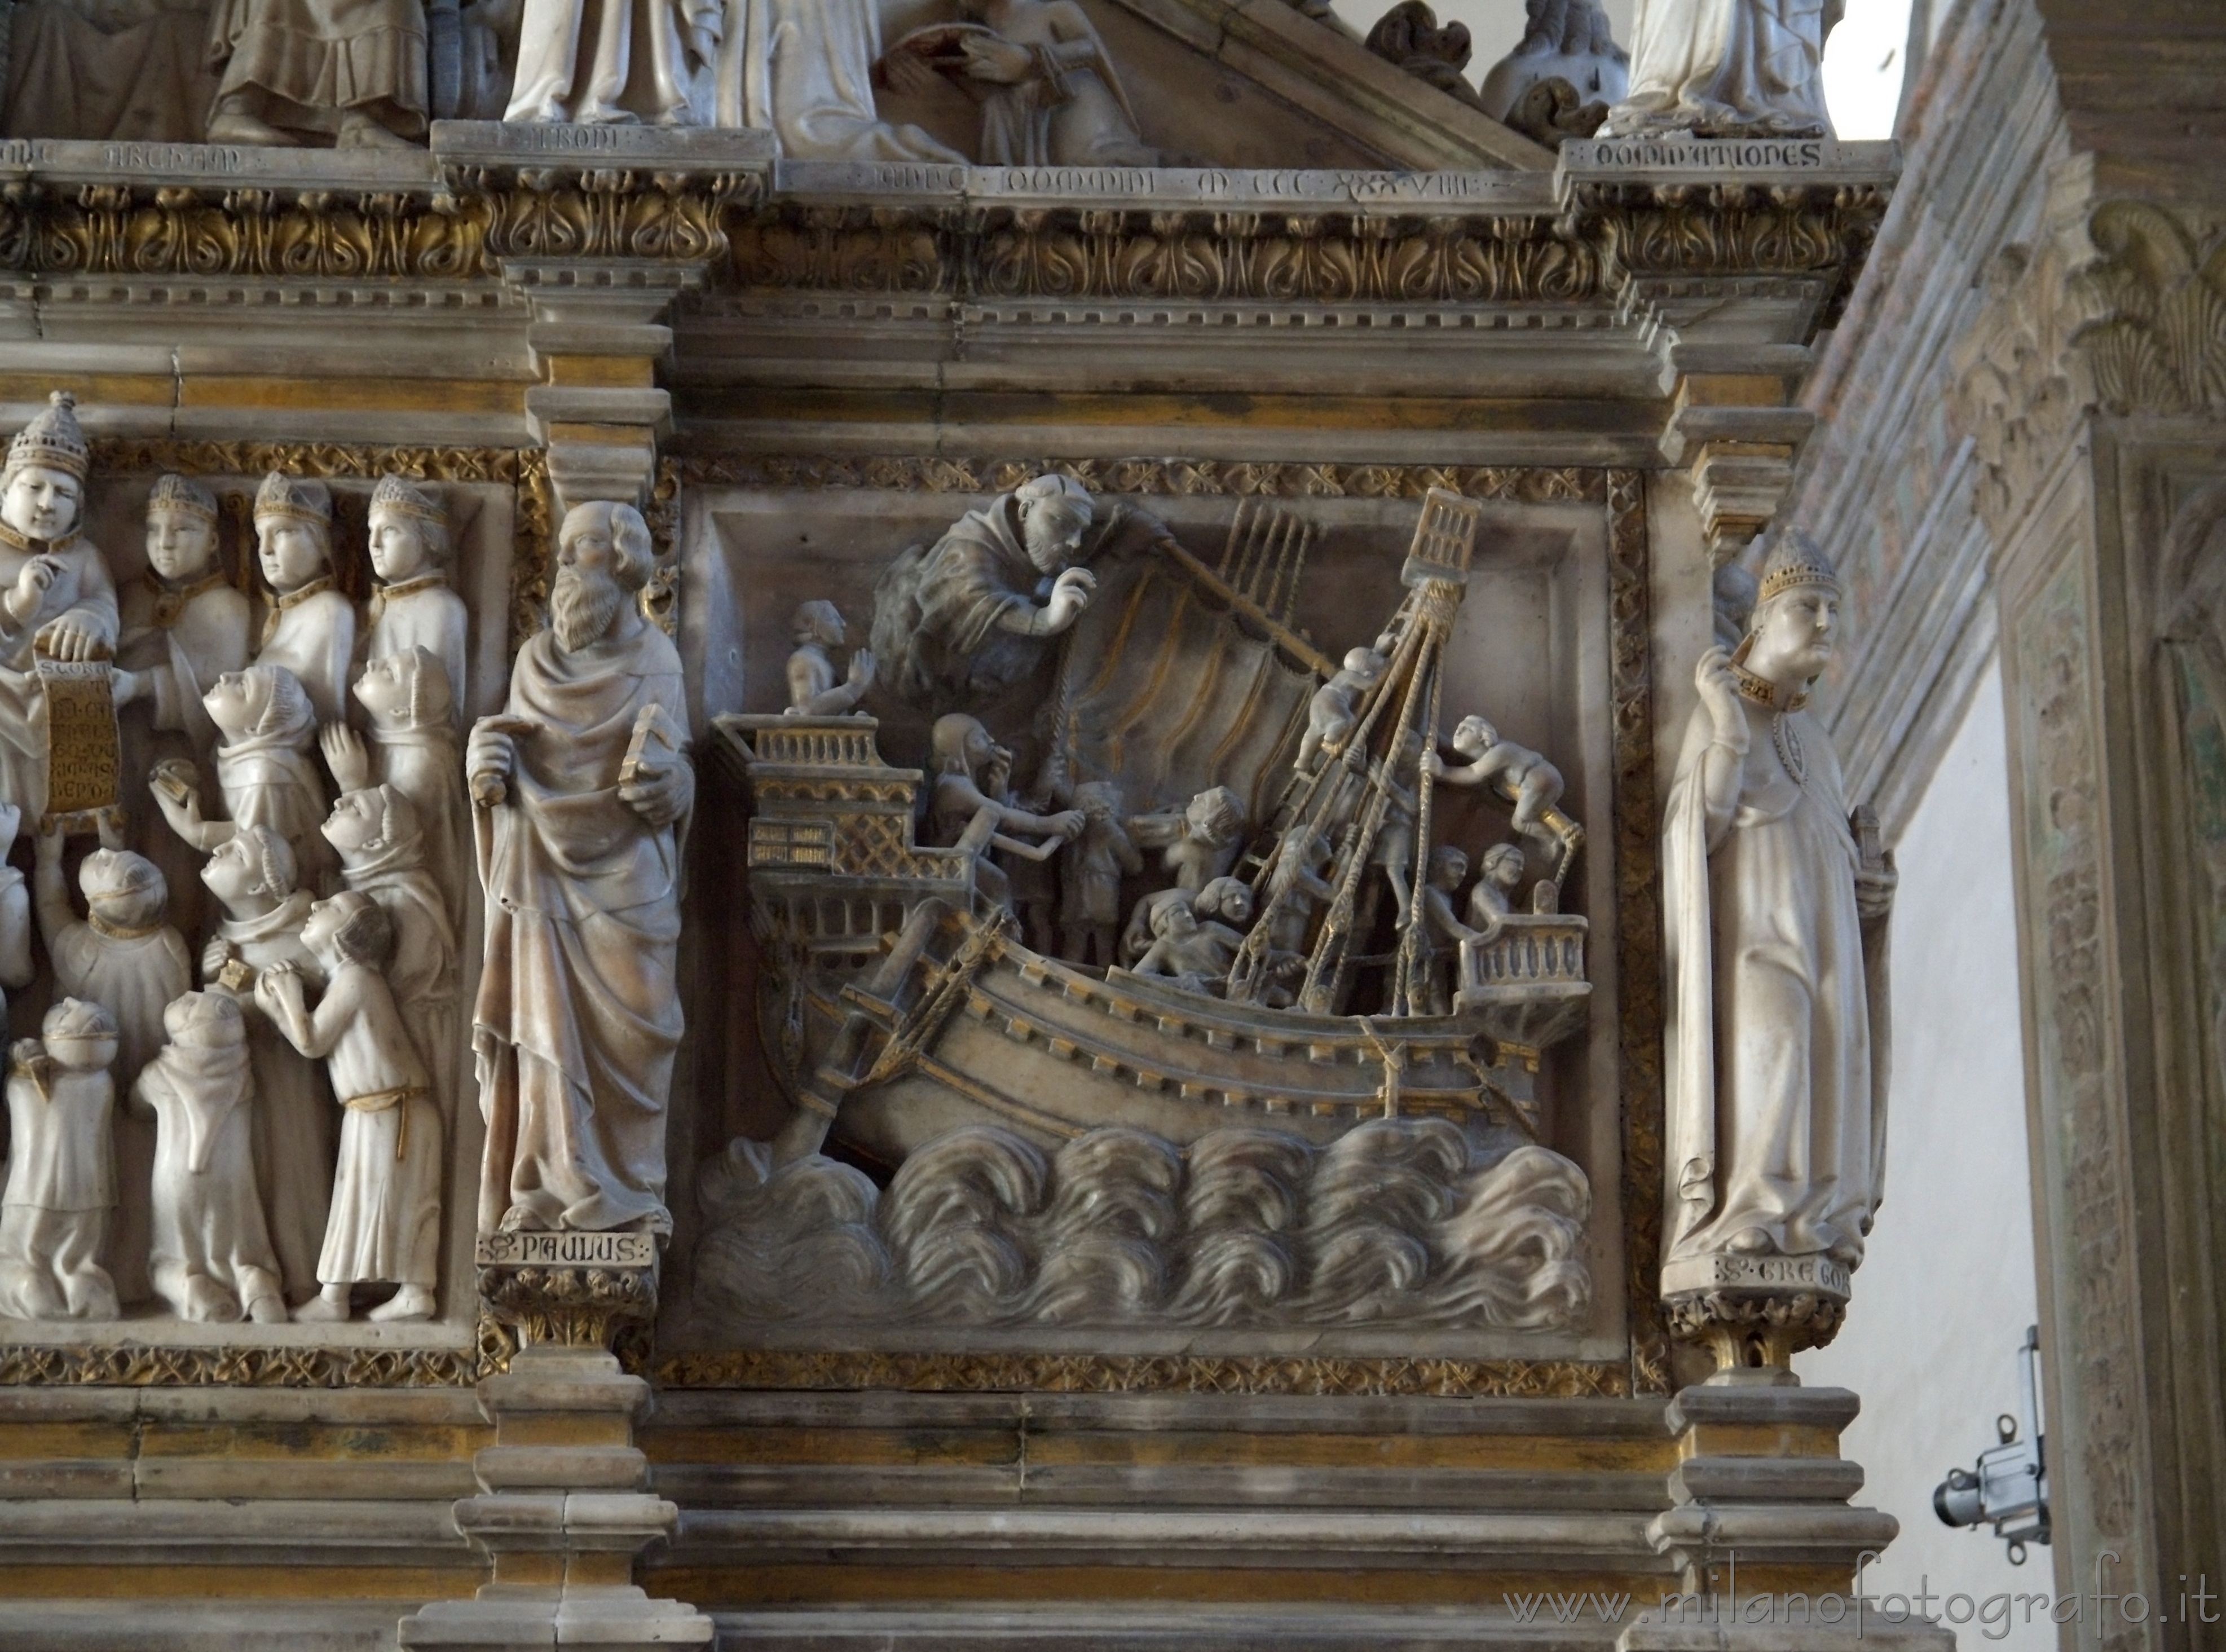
139,1365
1197,256
1609,235
526,470
2122,311
463,228
458,234
572,212
1166,1374
1649,232
127,229
144,1365
324,459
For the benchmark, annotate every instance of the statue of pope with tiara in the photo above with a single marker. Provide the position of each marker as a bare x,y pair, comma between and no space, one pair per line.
1777,907
57,599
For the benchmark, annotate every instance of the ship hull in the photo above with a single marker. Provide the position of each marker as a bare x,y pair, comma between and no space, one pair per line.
1051,1051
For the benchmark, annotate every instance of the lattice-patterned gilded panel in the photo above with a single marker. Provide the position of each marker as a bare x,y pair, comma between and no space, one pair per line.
874,846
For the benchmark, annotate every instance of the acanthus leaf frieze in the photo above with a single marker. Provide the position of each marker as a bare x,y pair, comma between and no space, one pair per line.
1406,244
2122,312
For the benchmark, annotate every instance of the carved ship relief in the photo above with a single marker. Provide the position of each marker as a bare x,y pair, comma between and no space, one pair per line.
901,1000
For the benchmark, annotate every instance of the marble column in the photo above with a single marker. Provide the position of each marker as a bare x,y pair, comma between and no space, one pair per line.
2089,389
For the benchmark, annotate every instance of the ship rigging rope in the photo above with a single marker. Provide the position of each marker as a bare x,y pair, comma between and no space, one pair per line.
1379,778
1414,953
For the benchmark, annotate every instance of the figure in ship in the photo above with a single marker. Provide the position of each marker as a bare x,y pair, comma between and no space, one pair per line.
959,623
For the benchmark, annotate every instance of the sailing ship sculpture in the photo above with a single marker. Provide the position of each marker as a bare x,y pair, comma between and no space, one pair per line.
910,995
900,964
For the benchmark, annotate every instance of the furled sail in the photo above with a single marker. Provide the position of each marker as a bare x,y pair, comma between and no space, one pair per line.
1179,678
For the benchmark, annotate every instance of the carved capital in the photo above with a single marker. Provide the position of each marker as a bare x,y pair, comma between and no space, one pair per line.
1649,233
1737,488
569,1307
2122,310
1747,1328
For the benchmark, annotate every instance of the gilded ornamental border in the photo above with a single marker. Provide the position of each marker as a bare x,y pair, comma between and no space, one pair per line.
139,1365
462,231
1609,235
1147,1374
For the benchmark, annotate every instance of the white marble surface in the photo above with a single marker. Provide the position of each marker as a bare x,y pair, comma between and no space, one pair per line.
497,143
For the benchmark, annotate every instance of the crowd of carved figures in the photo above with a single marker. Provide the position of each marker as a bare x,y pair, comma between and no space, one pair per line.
237,1100
240,1104
374,74
249,1059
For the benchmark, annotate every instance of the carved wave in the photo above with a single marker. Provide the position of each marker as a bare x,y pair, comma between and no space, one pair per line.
1400,1221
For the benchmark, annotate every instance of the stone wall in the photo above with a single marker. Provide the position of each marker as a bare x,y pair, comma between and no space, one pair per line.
2017,431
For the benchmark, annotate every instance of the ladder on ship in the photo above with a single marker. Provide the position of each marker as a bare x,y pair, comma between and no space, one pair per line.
1360,790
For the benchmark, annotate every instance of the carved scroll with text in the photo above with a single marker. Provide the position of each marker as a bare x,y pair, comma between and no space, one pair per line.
85,759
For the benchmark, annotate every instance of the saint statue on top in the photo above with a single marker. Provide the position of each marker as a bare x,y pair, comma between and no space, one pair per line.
1728,68
582,788
348,72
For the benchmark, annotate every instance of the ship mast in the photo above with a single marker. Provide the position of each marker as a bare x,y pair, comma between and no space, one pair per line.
1378,778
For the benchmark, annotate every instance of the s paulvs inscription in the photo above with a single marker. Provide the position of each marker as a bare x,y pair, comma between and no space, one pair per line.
567,1250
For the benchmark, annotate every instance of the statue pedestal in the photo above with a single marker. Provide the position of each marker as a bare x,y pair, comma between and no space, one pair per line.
1769,1554
564,1517
579,1291
1755,1313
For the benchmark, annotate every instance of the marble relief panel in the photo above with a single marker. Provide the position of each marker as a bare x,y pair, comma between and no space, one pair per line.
942,1107
235,814
1025,1148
